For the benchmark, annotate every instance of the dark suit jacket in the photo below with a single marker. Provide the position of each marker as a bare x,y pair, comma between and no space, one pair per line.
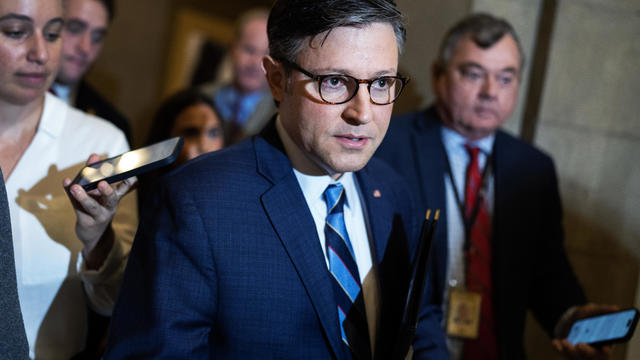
230,266
13,341
530,268
90,101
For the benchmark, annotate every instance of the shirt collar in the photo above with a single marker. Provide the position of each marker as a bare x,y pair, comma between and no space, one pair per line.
230,94
63,92
454,142
53,115
313,187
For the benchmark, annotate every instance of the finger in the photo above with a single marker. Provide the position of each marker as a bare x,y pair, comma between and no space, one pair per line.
557,345
108,195
66,184
606,352
93,158
592,309
126,186
86,202
569,350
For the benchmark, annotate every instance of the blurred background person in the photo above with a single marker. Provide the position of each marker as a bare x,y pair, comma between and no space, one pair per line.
192,115
501,247
85,29
245,103
70,247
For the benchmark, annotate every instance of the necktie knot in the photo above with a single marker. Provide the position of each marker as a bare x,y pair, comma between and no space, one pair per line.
473,151
334,196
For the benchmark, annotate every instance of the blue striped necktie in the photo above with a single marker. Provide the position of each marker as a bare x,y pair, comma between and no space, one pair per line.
342,264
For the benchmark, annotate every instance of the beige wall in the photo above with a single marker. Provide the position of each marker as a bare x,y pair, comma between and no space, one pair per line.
589,122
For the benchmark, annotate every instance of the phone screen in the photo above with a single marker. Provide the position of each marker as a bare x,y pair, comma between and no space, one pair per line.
603,328
129,164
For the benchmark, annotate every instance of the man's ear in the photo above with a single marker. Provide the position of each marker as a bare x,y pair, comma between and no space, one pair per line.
276,77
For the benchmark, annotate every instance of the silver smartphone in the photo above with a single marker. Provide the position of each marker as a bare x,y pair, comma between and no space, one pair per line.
131,163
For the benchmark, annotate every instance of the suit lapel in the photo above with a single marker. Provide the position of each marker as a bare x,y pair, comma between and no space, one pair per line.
392,260
287,210
379,211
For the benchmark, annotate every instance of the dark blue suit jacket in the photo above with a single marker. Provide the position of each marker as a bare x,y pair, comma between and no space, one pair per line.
530,268
230,265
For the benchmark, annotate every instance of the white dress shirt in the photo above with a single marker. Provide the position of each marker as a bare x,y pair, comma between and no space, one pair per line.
458,158
53,284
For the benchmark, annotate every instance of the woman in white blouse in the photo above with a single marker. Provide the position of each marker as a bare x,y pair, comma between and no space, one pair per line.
70,248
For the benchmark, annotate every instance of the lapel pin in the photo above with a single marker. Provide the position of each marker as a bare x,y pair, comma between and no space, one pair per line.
376,193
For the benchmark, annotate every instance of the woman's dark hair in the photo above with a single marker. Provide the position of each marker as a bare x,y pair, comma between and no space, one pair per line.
169,110
161,126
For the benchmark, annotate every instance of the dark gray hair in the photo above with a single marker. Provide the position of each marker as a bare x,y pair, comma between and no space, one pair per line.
294,22
485,30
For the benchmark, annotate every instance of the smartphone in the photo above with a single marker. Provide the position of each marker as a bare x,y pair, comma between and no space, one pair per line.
131,163
604,329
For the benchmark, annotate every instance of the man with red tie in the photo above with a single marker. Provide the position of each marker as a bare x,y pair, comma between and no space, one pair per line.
500,251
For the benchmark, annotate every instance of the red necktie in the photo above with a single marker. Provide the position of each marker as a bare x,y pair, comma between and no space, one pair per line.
479,263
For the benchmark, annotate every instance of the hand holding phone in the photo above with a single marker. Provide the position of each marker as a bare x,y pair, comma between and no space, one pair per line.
604,329
131,163
94,211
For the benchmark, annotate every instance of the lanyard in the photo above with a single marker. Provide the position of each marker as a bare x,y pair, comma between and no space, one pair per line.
468,223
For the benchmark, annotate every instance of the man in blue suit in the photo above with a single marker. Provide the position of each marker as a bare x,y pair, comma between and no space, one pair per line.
291,244
505,246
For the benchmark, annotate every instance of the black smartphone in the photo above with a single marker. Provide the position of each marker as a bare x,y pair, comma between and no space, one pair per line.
604,329
131,163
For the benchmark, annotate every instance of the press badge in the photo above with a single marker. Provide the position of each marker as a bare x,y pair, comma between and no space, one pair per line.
464,313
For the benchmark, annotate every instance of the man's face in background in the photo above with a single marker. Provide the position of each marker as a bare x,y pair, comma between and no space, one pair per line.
477,90
247,53
86,23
